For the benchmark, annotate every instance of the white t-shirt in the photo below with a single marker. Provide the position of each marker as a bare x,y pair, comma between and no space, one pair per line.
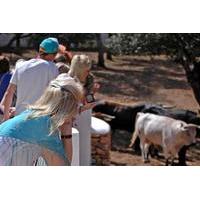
31,78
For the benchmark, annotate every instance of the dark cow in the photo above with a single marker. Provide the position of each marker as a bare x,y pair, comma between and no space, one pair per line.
124,116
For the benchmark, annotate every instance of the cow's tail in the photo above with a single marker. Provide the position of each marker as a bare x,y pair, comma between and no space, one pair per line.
135,135
136,132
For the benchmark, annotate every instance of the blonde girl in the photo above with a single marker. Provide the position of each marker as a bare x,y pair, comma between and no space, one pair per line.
38,130
80,68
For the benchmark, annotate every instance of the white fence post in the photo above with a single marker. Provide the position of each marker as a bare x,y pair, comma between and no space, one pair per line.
75,145
83,124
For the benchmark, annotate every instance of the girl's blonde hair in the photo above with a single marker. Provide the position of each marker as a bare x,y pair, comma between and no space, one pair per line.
60,101
79,64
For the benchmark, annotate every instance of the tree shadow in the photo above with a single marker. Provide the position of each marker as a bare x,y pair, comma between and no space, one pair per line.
141,77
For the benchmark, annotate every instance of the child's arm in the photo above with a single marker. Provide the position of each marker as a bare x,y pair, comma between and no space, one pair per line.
66,135
7,100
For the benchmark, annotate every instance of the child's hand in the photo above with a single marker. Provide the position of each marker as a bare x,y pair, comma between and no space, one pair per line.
62,49
87,106
95,87
12,112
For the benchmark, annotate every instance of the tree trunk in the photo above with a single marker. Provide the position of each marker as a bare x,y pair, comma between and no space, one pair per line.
18,37
193,77
109,55
11,41
100,50
192,68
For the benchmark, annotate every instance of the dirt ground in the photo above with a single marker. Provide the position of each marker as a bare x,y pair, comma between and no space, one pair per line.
137,79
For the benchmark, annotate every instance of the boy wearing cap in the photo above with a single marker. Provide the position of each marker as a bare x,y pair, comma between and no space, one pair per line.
32,77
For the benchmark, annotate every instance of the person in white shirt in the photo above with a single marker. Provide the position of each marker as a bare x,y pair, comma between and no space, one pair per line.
31,78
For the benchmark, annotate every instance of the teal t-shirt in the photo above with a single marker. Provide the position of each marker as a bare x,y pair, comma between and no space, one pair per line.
35,131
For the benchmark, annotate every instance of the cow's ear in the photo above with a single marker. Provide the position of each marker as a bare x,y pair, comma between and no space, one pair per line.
183,127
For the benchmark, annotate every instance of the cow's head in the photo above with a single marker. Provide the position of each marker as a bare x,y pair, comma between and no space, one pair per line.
188,132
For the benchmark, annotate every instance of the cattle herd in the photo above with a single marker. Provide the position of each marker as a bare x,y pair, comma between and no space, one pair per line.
173,129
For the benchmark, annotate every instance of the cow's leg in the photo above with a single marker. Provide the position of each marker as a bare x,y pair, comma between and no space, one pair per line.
172,161
144,150
167,162
166,154
173,154
153,151
182,156
136,146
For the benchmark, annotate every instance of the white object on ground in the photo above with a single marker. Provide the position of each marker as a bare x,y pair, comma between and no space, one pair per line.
98,126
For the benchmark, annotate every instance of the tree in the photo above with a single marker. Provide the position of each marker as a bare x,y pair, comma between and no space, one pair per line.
100,48
17,38
184,48
74,41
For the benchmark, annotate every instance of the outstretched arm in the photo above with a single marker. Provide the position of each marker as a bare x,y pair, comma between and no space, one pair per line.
7,100
87,106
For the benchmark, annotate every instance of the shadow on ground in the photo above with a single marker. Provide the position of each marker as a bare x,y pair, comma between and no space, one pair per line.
133,76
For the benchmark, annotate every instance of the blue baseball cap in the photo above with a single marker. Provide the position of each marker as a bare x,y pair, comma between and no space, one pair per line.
49,45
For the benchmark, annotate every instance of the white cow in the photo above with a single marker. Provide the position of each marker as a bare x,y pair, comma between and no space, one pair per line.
169,133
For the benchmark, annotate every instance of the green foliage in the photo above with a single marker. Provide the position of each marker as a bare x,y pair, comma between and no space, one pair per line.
174,44
75,41
72,40
122,43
